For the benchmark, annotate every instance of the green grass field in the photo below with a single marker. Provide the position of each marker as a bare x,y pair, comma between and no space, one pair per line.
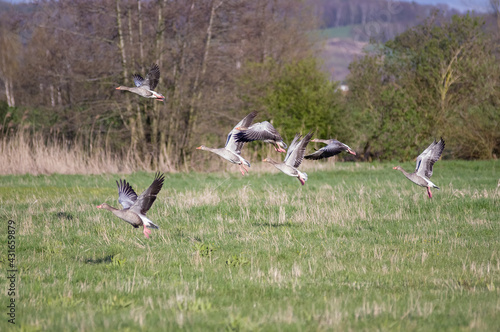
358,247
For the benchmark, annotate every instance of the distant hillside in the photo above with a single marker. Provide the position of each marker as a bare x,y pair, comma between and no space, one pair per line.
348,26
337,53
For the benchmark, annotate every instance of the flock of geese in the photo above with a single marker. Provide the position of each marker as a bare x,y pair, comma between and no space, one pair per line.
135,207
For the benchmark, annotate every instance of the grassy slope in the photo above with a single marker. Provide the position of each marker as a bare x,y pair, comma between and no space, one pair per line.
358,247
339,47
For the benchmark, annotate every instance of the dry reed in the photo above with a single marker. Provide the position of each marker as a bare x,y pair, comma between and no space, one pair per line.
22,152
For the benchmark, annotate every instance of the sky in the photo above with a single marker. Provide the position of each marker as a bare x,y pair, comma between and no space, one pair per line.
461,5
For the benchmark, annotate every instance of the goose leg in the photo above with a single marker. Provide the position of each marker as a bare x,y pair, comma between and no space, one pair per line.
429,192
243,169
302,182
146,232
278,148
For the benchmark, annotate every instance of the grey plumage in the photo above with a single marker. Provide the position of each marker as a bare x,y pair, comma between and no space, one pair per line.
135,207
424,167
293,158
261,131
332,148
145,87
232,150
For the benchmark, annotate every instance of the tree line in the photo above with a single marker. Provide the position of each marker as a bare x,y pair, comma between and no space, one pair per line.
221,59
436,79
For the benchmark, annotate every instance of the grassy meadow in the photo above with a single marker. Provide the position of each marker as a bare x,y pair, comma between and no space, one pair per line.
358,247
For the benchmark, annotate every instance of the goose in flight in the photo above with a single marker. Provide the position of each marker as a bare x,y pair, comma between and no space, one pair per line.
293,158
135,208
425,161
261,131
333,148
232,150
145,87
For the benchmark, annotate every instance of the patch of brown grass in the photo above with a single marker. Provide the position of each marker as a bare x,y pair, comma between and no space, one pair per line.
23,153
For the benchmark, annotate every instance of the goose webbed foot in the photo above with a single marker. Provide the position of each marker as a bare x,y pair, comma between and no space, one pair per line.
146,232
243,169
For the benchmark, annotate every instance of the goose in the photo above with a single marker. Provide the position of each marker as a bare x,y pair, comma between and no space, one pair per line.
144,87
135,208
261,131
293,158
333,148
232,150
425,161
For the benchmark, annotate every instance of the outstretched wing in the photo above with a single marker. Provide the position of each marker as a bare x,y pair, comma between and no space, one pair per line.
153,76
147,198
138,80
426,160
231,143
126,195
259,132
291,148
296,151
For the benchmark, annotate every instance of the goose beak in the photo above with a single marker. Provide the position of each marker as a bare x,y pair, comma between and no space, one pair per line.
265,159
313,140
351,151
198,148
99,206
118,88
395,167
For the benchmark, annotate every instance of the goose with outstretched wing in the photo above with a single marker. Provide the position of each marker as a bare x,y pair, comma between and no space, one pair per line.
232,150
425,163
332,148
145,87
135,207
261,131
293,158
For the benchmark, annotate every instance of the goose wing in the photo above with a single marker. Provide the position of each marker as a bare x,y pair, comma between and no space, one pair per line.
295,153
426,160
126,195
148,196
153,76
291,148
333,148
138,80
231,143
259,132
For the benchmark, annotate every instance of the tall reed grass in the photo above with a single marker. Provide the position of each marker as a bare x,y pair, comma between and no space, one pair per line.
24,152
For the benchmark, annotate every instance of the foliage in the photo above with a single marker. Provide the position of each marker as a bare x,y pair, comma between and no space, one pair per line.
357,248
432,80
66,59
297,97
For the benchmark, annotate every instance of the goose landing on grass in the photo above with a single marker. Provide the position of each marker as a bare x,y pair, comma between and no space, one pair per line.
425,161
135,208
